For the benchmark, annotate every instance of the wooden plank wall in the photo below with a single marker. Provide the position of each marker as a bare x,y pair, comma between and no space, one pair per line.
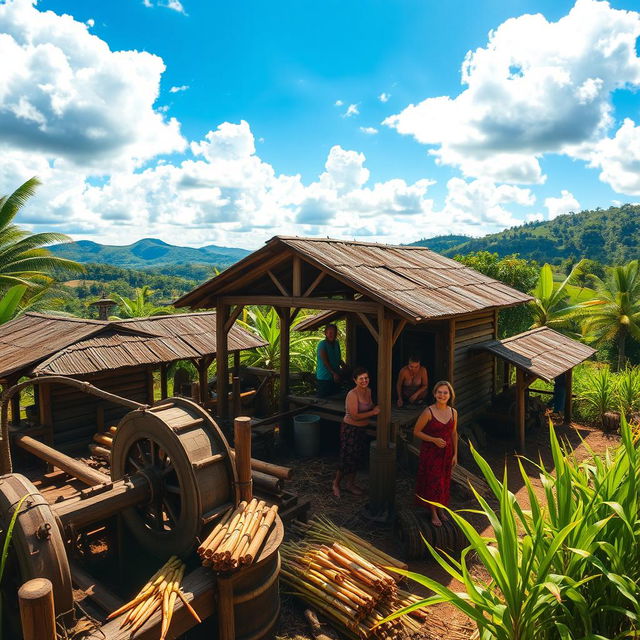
473,376
76,415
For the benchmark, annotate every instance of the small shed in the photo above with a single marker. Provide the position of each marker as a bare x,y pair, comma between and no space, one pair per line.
118,356
396,300
540,353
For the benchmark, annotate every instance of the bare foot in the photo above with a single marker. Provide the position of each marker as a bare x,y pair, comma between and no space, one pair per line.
354,489
336,490
435,521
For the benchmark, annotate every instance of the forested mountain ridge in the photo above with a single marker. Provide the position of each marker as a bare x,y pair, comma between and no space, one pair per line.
610,236
148,252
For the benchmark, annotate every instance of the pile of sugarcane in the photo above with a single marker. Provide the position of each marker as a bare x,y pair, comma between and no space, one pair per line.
355,594
102,443
161,592
237,539
323,531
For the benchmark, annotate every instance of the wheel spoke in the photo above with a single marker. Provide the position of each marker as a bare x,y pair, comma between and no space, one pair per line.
134,463
152,446
170,488
167,470
143,457
170,512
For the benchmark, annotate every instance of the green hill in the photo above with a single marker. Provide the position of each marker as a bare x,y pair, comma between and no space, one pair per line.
610,236
148,252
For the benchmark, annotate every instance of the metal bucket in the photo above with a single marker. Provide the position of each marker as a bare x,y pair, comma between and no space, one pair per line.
306,433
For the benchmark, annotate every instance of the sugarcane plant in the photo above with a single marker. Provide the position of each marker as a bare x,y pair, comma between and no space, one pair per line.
568,567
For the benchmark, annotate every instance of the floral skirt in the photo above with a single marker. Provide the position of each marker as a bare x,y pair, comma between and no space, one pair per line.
353,448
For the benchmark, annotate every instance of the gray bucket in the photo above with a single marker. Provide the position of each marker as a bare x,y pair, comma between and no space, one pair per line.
306,433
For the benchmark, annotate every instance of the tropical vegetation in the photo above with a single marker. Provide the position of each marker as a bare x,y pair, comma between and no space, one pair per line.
139,306
24,258
568,567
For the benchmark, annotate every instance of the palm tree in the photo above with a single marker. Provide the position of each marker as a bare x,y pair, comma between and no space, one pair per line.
139,306
10,302
550,308
24,260
614,312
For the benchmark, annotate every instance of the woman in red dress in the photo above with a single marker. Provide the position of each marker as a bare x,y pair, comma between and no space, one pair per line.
437,427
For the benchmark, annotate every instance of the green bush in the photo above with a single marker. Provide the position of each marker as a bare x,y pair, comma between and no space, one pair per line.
569,567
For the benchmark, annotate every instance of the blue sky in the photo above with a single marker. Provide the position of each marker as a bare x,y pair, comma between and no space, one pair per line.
250,118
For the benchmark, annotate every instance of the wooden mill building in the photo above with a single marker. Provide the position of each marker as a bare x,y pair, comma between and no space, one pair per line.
118,356
396,300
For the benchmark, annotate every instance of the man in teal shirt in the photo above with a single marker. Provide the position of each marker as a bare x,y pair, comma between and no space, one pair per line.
328,363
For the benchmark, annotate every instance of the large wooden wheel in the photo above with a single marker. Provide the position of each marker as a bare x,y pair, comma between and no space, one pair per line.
37,548
181,450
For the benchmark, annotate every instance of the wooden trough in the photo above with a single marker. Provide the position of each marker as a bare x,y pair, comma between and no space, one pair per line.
172,475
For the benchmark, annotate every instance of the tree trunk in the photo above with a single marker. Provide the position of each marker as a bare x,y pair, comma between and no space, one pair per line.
622,340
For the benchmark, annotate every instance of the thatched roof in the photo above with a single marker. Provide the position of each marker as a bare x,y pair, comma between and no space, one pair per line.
416,283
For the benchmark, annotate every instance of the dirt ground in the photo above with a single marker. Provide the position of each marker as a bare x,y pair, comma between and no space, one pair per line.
313,477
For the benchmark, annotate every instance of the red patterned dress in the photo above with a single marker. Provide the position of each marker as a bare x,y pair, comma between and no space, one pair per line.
434,470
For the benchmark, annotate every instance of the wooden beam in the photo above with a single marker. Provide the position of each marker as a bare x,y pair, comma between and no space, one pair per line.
283,290
294,315
520,408
326,304
37,613
367,323
398,330
568,401
250,274
222,359
150,389
285,328
236,363
233,317
318,279
296,284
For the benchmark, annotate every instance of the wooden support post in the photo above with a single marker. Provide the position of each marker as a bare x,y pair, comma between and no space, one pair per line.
236,363
568,401
226,613
36,610
150,390
15,403
242,446
520,408
382,453
164,385
296,283
285,327
222,360
203,380
235,396
46,415
506,373
350,340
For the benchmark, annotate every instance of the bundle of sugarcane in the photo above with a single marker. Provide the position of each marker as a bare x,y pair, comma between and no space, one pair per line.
237,539
355,595
322,530
161,592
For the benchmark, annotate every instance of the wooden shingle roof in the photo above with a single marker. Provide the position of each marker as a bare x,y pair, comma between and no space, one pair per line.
415,282
45,344
543,352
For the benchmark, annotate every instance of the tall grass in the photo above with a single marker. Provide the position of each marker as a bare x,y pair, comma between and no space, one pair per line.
568,568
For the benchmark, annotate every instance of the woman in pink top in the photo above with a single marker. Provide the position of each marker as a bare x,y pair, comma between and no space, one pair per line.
359,408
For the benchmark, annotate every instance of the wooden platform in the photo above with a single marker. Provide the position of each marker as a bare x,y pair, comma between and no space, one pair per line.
332,408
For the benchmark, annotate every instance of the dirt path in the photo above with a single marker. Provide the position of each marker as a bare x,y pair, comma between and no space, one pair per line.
313,479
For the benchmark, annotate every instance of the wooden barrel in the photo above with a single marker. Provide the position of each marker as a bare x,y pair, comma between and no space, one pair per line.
252,594
412,525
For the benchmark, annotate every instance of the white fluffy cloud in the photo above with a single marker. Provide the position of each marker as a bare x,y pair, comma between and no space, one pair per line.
384,97
66,94
566,203
352,110
84,119
178,89
370,131
536,87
